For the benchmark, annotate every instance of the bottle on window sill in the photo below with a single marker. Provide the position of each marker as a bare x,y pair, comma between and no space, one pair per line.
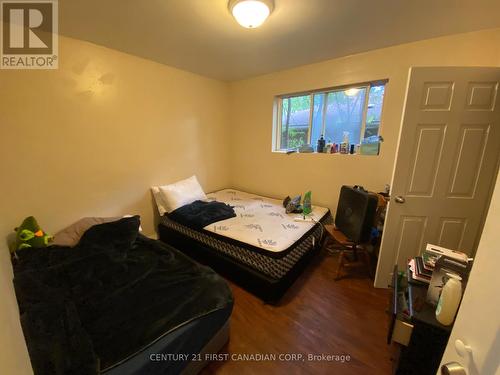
328,147
344,146
321,144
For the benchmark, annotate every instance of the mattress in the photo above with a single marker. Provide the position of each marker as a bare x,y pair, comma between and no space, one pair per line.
262,222
266,274
116,302
173,352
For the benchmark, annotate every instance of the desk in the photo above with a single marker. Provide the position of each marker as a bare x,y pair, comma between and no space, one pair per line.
417,339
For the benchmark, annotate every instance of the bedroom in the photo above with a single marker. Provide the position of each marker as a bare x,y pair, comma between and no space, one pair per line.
147,95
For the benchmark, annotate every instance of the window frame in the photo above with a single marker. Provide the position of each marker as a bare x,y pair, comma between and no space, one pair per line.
277,123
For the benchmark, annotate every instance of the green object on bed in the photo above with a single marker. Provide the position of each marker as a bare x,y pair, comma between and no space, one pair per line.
29,234
306,205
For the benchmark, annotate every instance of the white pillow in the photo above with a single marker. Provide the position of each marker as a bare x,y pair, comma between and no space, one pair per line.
162,207
181,193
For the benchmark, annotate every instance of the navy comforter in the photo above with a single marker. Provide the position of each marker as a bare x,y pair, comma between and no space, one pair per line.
199,214
85,308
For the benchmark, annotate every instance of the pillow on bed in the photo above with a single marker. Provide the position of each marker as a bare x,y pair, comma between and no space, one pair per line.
71,235
162,207
121,233
181,193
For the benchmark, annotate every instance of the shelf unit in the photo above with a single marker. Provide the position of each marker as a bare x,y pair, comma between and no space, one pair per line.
417,339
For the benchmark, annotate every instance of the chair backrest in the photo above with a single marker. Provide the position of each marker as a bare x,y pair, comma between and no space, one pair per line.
356,212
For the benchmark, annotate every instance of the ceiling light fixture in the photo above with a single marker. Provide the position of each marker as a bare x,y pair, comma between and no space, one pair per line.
251,13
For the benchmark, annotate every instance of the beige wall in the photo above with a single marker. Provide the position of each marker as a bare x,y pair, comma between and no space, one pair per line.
255,168
89,139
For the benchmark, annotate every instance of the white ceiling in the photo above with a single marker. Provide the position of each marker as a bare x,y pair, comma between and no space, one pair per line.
202,37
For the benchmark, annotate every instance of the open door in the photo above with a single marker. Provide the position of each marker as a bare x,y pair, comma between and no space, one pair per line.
446,164
477,325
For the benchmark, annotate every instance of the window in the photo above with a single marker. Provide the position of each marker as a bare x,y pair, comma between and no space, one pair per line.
354,111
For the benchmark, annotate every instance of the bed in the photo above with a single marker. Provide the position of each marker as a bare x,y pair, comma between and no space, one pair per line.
119,303
263,249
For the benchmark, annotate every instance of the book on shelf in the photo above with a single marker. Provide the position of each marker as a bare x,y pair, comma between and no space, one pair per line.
414,273
432,265
421,270
430,259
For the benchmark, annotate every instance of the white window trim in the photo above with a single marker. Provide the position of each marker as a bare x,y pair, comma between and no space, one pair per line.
277,118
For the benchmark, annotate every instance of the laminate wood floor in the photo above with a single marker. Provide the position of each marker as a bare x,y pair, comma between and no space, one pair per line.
317,316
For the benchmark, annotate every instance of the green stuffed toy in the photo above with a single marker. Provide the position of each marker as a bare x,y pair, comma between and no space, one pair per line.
29,234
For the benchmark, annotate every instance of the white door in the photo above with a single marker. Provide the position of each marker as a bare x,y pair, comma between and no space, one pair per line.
446,164
478,321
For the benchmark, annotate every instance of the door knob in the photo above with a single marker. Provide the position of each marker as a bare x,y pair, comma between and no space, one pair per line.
400,199
453,368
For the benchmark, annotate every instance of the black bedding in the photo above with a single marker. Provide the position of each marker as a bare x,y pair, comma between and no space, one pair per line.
86,308
263,275
199,214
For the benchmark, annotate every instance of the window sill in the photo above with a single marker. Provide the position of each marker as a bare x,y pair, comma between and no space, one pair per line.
320,153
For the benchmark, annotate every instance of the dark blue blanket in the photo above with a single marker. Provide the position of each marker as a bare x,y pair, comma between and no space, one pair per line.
199,214
88,307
